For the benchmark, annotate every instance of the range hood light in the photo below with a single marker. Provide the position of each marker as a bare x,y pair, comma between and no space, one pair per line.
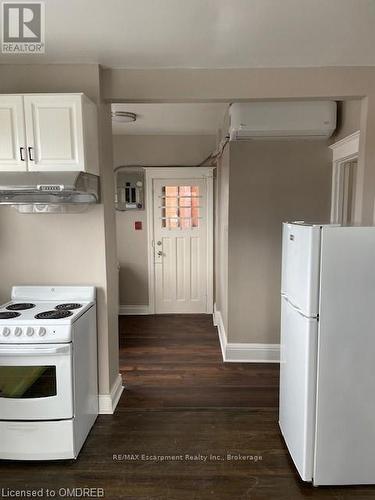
123,116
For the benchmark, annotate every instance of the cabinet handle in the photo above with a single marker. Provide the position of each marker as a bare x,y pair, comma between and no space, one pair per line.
21,154
30,155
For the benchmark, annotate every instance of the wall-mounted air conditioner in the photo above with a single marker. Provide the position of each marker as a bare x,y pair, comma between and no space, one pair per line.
282,120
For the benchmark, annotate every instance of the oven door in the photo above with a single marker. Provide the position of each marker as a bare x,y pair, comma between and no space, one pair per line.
36,382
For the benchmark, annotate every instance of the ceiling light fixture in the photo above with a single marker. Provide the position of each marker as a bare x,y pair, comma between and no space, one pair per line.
123,116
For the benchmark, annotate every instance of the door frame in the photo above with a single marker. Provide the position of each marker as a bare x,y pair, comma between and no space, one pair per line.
180,173
342,151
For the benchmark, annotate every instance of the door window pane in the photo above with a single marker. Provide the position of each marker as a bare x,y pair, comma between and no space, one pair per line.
180,207
194,206
171,207
26,382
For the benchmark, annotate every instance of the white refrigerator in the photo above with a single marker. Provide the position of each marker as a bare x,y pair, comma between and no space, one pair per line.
327,359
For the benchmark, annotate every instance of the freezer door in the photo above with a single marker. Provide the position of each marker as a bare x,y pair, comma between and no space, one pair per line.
297,386
284,259
300,266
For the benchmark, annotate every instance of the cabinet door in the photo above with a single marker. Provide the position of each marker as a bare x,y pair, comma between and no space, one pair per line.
12,133
54,132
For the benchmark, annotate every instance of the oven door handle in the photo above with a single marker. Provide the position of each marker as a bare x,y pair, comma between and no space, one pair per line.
32,351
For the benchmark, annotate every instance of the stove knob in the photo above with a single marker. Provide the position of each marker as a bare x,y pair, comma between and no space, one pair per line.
30,332
42,332
6,332
18,331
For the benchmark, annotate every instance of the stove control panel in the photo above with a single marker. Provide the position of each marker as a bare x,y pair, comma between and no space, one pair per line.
35,334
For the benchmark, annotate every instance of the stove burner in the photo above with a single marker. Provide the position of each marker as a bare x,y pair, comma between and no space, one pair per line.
53,314
22,306
68,307
9,315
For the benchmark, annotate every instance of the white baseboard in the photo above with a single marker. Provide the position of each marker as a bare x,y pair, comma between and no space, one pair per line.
135,310
252,353
218,322
244,352
108,402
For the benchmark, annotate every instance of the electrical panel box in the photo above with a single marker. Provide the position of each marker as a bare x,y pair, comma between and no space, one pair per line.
130,183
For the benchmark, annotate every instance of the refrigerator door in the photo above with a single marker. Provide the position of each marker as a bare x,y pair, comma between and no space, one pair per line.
345,411
300,266
297,386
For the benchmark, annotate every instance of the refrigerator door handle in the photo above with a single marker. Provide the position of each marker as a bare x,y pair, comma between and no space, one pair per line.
297,309
290,302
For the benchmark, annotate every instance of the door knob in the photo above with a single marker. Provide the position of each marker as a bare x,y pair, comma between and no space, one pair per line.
160,253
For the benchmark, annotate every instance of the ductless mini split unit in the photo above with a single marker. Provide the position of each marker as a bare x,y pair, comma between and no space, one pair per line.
282,120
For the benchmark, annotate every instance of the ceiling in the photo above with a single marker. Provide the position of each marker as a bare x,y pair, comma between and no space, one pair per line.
171,119
208,33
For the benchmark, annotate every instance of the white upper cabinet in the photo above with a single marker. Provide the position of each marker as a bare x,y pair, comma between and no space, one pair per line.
58,133
12,133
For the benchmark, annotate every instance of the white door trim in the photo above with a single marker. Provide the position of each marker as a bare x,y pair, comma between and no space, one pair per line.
179,173
342,151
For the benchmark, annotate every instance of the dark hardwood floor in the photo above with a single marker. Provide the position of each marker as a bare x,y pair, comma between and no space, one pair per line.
182,403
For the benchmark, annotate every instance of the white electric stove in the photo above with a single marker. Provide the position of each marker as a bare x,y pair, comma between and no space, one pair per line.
39,314
48,371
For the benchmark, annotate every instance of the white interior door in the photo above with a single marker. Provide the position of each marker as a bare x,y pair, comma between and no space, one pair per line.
12,133
180,245
54,132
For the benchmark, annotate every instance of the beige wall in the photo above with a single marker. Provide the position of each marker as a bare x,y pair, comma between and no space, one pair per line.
221,236
269,182
348,119
242,84
66,248
111,263
151,150
161,150
132,257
